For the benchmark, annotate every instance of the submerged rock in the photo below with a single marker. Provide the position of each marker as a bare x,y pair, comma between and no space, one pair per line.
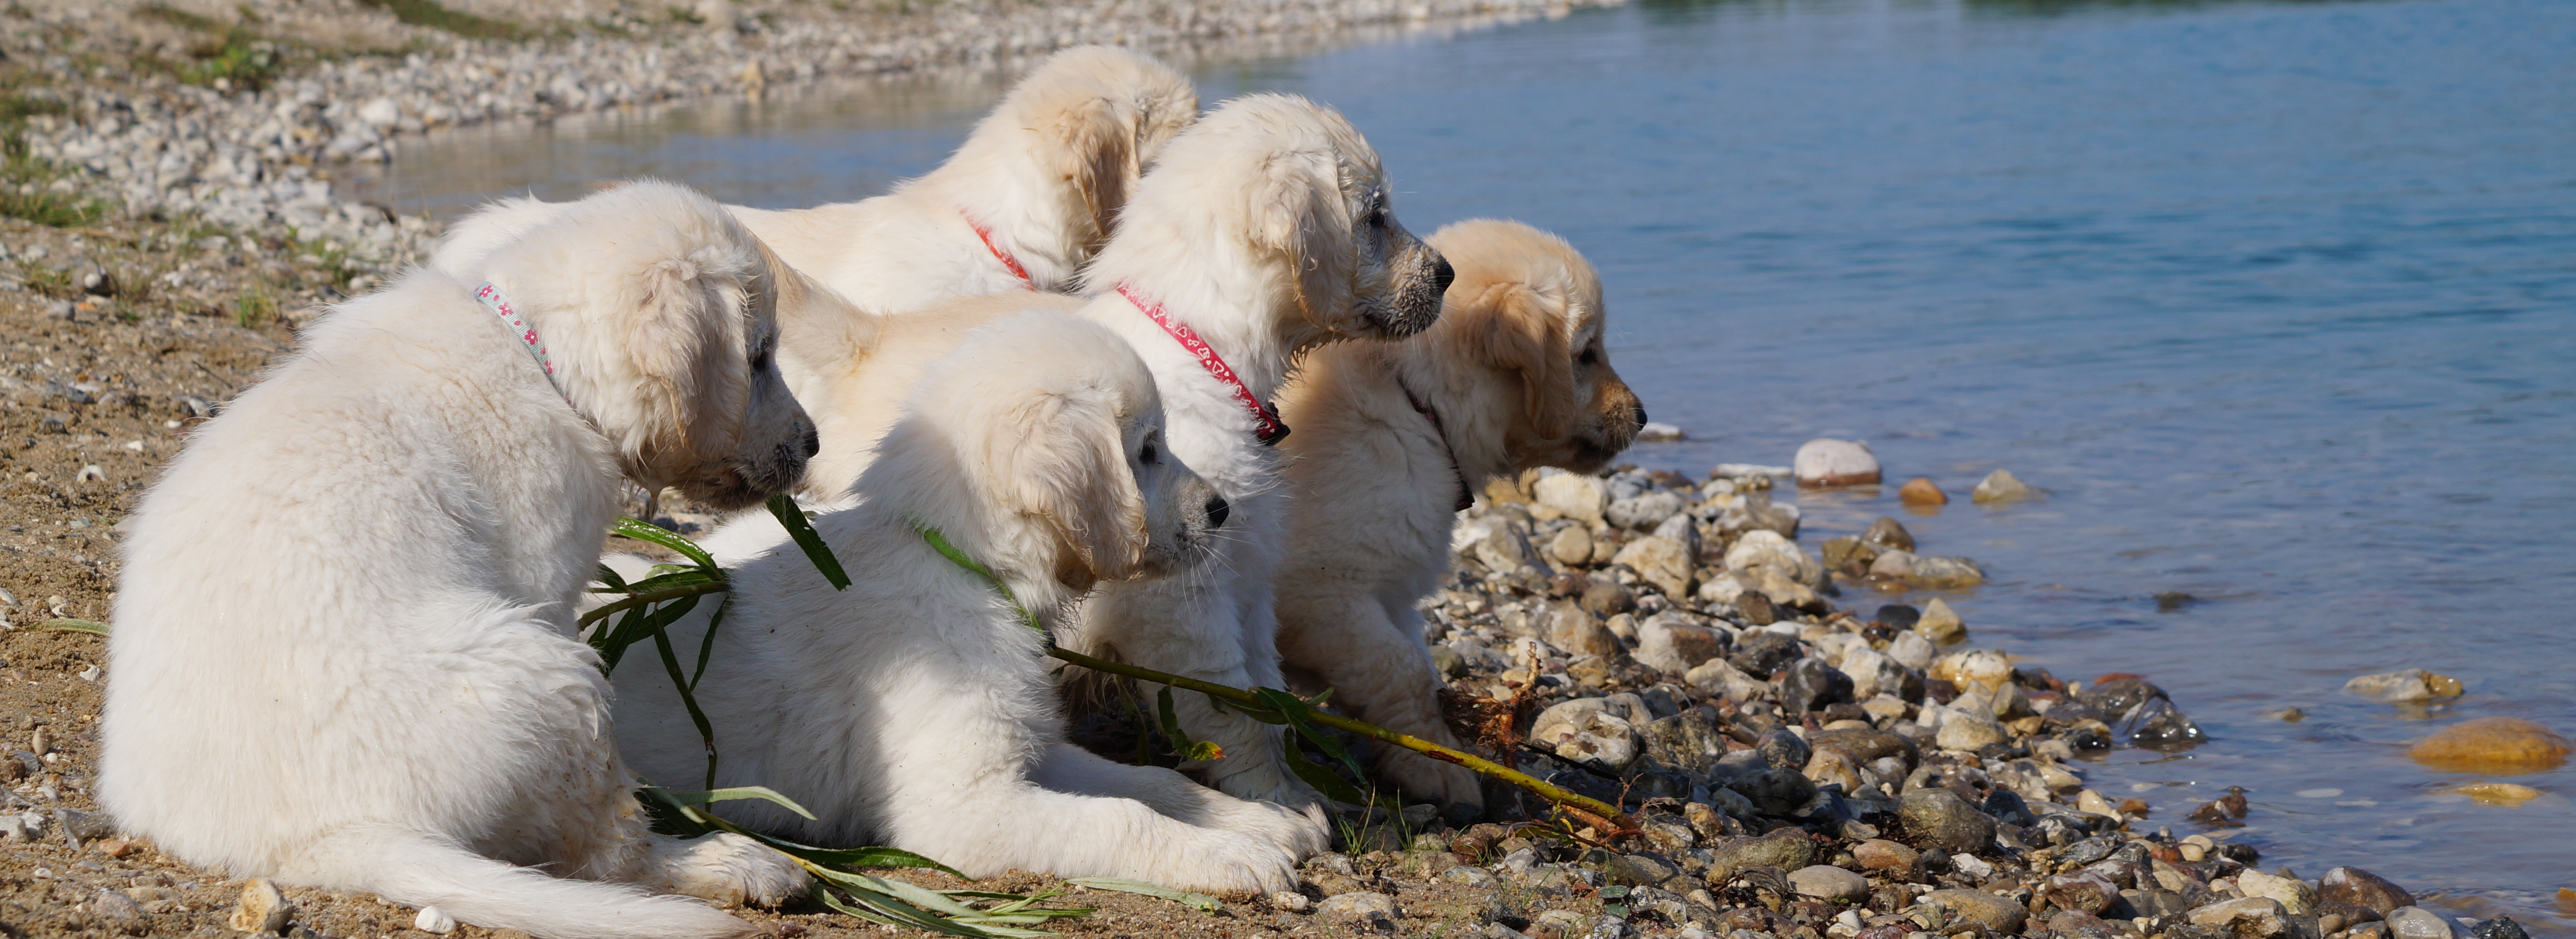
1922,491
2001,486
2348,890
2492,745
1939,624
2405,686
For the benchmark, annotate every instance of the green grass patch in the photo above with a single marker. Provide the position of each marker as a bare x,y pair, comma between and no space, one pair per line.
430,14
27,192
254,307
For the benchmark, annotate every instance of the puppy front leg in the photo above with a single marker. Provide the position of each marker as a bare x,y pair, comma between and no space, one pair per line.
995,823
1379,670
1073,769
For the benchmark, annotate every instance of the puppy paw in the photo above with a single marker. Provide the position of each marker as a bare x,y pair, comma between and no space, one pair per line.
1233,865
1302,833
729,870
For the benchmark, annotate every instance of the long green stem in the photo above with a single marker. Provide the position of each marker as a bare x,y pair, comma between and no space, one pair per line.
1544,789
645,599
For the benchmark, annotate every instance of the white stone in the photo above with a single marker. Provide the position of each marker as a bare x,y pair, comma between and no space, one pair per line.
2295,895
1911,650
1669,645
1830,462
1761,548
433,919
1573,495
1872,672
1661,561
1643,511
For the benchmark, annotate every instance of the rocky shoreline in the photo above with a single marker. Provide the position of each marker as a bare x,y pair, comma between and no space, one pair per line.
1802,764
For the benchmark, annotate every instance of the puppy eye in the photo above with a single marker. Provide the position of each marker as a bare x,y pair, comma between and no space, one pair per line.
1590,356
1149,453
760,358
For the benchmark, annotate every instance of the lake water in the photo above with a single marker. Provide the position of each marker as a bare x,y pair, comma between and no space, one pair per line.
2277,301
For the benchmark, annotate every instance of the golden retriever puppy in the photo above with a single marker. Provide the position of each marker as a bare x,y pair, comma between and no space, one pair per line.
1023,203
914,709
1266,229
1394,438
344,643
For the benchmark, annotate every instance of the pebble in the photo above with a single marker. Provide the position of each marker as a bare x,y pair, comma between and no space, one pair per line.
1469,875
2293,894
1639,868
262,908
2354,888
2000,486
2415,922
1285,901
1829,883
1573,495
2492,745
1996,913
435,920
2501,927
1787,849
1572,546
1365,908
2081,890
1811,684
1922,491
1668,644
1830,462
1880,854
2405,686
1939,624
2498,793
1888,532
1662,562
1760,548
119,912
1643,512
1911,650
2246,918
1938,818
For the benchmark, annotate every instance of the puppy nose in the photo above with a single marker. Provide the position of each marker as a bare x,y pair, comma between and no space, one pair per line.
1442,274
813,443
1216,511
1641,413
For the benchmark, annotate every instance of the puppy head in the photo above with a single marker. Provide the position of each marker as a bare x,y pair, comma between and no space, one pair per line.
1090,119
1049,430
1526,309
662,314
1300,196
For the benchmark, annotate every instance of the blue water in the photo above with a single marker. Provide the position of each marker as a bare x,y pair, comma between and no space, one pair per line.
2277,301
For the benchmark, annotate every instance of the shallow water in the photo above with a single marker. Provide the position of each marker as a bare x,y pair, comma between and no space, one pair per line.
2277,301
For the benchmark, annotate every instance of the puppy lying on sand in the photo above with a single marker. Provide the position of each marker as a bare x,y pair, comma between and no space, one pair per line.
915,708
1393,438
343,647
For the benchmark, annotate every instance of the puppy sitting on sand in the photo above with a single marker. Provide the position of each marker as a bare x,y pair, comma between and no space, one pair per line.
1394,438
915,706
343,646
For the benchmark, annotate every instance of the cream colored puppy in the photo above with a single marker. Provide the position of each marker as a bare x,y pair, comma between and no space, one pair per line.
914,708
344,652
1264,230
1394,438
1024,202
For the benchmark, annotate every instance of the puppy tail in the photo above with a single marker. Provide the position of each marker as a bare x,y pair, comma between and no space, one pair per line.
426,870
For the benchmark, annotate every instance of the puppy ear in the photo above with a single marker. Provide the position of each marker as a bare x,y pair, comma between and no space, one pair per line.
1097,151
1515,328
1066,463
1299,212
687,341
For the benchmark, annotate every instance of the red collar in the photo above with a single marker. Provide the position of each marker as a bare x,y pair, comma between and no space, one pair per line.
985,232
1271,428
1466,494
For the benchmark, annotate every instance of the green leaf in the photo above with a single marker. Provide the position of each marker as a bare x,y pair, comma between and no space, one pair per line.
1181,742
763,793
616,584
92,627
1295,709
1333,787
784,506
647,531
1199,901
637,625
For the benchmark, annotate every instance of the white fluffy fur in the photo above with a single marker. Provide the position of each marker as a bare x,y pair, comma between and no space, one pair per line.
1265,228
1047,171
344,651
1516,371
914,707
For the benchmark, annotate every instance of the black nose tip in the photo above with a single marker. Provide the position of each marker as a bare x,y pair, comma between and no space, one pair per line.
813,443
1442,274
1641,414
1216,511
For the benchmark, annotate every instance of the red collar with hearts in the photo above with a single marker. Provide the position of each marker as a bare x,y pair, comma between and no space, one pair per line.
985,232
1270,427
